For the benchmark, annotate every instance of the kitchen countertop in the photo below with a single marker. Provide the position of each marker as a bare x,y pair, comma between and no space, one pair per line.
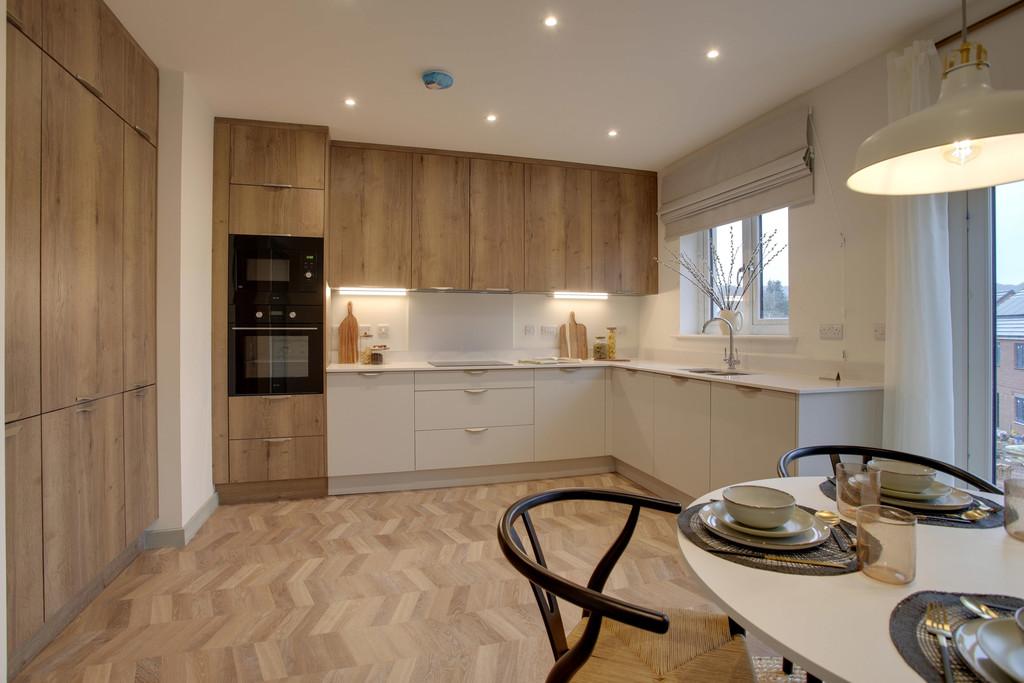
792,384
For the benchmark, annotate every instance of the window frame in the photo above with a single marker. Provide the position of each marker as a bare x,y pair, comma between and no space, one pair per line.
1018,356
1018,409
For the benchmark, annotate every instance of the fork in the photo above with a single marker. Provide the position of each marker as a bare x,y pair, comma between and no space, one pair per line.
936,622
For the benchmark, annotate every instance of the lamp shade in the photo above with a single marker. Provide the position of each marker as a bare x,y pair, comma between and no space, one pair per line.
972,137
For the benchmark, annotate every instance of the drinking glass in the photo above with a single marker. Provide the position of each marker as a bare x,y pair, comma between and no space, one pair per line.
1013,502
887,543
856,485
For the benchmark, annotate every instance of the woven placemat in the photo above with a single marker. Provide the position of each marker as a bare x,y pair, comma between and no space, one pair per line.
829,551
935,518
919,648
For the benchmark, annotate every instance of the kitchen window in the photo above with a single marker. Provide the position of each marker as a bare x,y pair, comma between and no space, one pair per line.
1018,409
1018,356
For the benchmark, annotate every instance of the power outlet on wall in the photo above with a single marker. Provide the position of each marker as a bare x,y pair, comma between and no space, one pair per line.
364,330
529,330
548,330
831,332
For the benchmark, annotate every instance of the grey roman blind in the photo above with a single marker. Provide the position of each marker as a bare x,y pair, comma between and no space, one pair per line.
765,165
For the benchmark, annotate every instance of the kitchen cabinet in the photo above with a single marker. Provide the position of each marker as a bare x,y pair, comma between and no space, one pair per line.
682,433
750,430
558,251
372,423
24,166
83,496
370,218
86,38
624,232
496,225
480,407
280,156
446,380
257,210
24,486
27,17
141,488
440,221
81,244
252,417
142,91
139,261
114,42
569,413
276,459
473,447
633,416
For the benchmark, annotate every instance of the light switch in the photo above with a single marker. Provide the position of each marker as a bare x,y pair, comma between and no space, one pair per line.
382,331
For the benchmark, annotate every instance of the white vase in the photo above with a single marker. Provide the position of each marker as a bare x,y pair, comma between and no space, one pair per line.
733,316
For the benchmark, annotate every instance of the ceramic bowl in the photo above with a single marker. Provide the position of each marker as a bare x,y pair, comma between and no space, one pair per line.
759,506
903,476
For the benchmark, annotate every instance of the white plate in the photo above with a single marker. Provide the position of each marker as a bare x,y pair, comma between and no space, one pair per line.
954,500
936,490
799,523
1003,642
815,536
965,638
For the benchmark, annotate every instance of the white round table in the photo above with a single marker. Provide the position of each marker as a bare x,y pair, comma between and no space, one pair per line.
837,627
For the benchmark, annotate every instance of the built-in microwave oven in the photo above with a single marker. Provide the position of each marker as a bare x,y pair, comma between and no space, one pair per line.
275,269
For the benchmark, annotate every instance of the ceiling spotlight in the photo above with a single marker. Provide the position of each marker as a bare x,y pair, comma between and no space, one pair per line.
491,118
350,102
713,53
612,133
551,21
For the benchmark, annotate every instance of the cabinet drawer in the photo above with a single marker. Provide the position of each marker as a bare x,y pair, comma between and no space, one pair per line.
371,418
473,379
256,417
444,448
276,459
257,210
476,407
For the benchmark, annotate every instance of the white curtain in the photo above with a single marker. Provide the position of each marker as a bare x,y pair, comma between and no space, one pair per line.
919,342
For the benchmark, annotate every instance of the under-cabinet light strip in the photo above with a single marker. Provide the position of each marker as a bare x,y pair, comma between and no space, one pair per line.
592,296
371,291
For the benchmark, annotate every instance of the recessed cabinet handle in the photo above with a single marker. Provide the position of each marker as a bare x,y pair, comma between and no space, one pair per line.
85,409
568,369
86,399
749,390
89,86
475,391
278,397
474,372
677,378
279,186
369,374
142,131
278,440
476,430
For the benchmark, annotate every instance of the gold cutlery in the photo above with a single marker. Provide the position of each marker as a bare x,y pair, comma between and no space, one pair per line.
832,520
783,558
937,623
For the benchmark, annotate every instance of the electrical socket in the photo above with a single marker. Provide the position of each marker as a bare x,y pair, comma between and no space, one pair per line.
382,330
364,329
548,330
879,331
529,330
831,332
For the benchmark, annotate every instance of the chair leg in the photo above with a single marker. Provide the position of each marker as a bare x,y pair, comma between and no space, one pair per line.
735,629
787,666
811,678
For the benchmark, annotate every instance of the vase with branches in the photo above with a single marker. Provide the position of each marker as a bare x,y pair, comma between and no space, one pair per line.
725,278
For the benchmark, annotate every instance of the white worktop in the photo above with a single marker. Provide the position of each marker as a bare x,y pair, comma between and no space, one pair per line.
793,384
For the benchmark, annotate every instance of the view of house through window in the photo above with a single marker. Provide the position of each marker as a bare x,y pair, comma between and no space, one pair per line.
774,284
1009,327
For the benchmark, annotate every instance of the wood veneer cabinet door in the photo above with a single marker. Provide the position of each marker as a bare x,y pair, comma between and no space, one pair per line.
27,15
114,42
141,493
142,91
21,332
268,155
139,261
625,232
440,221
370,218
24,483
81,244
256,210
557,228
251,417
277,459
496,225
86,38
83,496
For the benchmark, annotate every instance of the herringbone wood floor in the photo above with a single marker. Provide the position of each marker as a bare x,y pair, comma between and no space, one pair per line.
404,586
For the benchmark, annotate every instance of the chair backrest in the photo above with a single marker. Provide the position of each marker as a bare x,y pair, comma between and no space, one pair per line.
867,453
547,586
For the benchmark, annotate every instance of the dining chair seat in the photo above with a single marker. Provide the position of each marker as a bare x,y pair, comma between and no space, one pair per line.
698,648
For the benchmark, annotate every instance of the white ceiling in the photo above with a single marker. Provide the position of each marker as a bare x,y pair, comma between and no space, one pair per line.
637,66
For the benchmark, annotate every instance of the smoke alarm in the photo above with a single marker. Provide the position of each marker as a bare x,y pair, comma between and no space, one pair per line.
437,80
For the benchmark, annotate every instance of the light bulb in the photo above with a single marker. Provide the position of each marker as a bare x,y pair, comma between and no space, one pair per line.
551,21
962,151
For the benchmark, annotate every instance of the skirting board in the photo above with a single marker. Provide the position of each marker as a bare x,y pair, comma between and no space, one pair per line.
179,537
655,486
468,476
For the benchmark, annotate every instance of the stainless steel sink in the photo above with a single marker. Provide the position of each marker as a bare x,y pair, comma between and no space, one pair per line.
715,372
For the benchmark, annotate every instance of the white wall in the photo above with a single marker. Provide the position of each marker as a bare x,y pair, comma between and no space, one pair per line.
184,272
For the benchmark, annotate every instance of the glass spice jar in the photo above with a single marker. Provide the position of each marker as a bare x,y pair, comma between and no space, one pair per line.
611,343
601,348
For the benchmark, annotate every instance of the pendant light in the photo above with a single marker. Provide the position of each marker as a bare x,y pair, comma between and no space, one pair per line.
972,137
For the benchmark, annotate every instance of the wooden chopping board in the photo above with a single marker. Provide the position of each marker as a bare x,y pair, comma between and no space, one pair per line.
348,338
572,339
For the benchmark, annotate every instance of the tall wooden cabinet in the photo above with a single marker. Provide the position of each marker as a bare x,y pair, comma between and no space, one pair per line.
625,232
81,309
558,226
496,225
440,221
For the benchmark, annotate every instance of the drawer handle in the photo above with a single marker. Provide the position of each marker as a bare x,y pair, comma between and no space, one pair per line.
749,390
475,372
89,86
280,397
85,409
142,131
86,399
475,391
278,440
12,431
137,385
279,186
476,430
677,378
140,393
369,374
568,369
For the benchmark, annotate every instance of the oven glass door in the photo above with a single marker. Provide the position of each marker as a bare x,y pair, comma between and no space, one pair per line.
276,360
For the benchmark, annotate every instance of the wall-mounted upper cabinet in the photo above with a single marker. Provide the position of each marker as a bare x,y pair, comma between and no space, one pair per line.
625,232
370,218
27,17
142,91
496,224
557,229
278,156
440,221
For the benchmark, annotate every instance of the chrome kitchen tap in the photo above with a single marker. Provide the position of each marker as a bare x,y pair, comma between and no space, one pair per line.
731,360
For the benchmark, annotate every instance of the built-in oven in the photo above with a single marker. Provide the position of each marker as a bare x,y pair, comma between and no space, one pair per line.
267,269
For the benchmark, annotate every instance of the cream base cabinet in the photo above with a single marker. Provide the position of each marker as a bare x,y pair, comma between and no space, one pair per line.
569,413
750,430
633,418
682,433
372,422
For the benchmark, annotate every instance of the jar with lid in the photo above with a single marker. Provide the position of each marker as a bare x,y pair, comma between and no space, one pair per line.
601,348
365,342
611,343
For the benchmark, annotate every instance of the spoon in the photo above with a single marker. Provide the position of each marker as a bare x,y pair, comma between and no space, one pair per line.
978,608
832,520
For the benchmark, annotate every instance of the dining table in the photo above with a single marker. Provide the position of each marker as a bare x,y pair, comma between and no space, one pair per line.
837,627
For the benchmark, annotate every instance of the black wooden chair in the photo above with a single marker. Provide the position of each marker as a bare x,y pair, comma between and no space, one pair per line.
637,643
866,453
